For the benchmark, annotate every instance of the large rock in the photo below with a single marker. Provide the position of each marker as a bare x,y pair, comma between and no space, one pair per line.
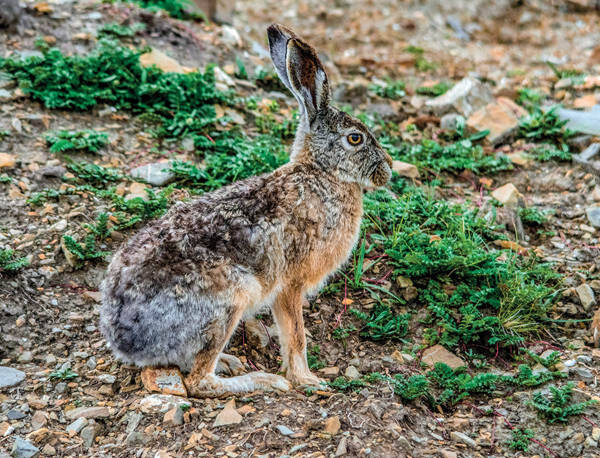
593,215
10,376
157,173
24,449
438,354
507,195
228,416
164,380
501,118
466,97
587,122
404,169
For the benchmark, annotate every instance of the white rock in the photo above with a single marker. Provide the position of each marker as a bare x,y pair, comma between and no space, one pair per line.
157,173
466,97
10,376
586,296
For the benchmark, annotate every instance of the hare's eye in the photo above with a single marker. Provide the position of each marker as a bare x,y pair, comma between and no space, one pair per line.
355,139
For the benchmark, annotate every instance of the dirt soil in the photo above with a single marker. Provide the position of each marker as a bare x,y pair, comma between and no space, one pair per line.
49,310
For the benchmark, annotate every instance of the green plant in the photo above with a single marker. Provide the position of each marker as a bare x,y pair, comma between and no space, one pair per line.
5,179
549,362
575,75
63,374
120,31
179,9
4,134
521,439
93,173
343,384
411,388
544,126
421,63
391,90
343,333
556,406
100,228
83,140
86,252
545,152
241,71
267,79
382,324
8,262
436,90
529,98
534,216
313,355
178,104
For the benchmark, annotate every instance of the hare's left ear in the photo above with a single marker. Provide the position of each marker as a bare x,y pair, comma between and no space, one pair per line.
300,70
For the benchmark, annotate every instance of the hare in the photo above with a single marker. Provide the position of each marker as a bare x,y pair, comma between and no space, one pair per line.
176,291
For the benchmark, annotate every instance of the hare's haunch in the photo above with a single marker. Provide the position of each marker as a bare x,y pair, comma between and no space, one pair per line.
176,291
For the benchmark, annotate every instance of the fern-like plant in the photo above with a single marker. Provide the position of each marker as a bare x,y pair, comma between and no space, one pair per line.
557,406
83,140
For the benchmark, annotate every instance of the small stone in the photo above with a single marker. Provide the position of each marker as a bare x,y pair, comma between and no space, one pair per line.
397,356
501,118
161,60
352,373
284,430
466,97
228,416
10,377
333,370
586,296
596,434
410,293
156,403
14,414
87,412
91,363
92,296
25,357
438,354
24,449
448,454
582,372
137,189
405,169
593,215
164,380
596,194
88,434
332,425
507,195
230,36
136,438
462,437
38,420
342,447
71,258
7,161
75,427
59,226
174,416
107,378
157,173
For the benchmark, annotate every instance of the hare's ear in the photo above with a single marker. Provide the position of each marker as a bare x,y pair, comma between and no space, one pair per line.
300,70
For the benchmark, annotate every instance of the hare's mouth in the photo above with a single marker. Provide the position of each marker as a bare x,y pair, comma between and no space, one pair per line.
382,174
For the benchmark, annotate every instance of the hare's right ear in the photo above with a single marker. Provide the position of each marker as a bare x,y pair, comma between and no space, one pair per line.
299,69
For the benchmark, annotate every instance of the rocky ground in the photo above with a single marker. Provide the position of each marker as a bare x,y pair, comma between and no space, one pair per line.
62,393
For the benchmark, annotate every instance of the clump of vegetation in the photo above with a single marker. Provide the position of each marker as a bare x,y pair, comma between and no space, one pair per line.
432,156
179,9
472,294
534,216
529,98
267,79
546,152
63,374
421,63
252,157
120,31
94,174
178,104
544,126
9,263
83,140
557,405
344,384
313,357
5,179
521,439
382,323
436,90
391,90
86,251
575,75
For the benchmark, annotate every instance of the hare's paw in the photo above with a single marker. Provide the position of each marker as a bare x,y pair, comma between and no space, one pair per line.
229,365
308,380
271,381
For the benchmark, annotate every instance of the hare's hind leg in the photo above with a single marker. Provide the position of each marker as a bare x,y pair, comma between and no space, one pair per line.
202,381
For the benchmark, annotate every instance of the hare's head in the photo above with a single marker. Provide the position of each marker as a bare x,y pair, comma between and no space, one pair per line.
326,136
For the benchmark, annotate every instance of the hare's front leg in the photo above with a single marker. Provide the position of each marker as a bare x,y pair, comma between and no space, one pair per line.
287,311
